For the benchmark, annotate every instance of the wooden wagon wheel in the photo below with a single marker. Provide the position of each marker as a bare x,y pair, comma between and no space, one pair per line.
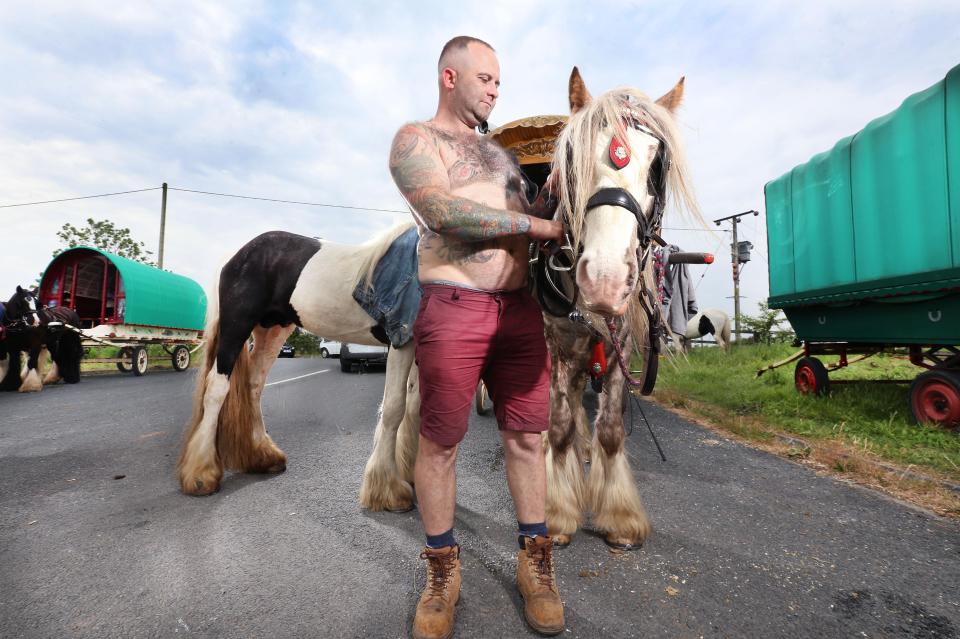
180,357
481,399
126,354
139,360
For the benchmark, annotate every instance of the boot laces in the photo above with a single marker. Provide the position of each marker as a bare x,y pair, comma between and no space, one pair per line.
541,556
439,572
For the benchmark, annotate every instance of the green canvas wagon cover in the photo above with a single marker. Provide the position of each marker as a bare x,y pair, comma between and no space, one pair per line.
864,239
108,289
878,215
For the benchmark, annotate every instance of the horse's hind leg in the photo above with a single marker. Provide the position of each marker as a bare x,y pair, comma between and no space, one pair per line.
382,487
265,456
565,492
614,499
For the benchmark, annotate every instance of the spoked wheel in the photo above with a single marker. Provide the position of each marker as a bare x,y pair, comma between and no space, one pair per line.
482,399
127,356
139,360
180,358
935,398
810,377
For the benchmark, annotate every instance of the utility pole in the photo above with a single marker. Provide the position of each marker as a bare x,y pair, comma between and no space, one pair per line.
163,223
737,256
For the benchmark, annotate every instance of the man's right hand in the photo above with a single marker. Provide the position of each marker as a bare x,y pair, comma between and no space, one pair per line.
541,229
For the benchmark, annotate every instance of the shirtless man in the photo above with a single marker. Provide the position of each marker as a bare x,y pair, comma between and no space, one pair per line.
476,321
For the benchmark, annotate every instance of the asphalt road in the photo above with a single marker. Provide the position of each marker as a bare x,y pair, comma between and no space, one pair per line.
97,541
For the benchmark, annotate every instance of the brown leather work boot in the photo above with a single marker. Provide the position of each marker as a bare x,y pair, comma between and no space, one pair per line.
537,582
434,618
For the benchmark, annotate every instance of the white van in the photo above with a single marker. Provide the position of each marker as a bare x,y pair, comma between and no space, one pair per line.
329,348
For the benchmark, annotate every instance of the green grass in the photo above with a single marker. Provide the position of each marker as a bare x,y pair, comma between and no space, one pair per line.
872,418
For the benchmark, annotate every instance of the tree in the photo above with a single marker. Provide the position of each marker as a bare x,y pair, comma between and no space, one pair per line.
104,235
766,326
306,343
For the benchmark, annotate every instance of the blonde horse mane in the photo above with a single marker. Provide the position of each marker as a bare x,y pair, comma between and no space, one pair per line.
375,249
575,167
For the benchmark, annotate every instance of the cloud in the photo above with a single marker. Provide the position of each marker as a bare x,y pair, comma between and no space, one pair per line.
300,102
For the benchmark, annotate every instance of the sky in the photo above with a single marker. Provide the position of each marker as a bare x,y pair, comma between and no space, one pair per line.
300,100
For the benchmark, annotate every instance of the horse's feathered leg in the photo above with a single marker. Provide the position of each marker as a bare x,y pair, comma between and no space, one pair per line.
565,488
262,454
30,373
382,487
614,499
53,373
408,436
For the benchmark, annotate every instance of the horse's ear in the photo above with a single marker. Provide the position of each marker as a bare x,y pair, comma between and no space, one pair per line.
672,99
19,290
579,96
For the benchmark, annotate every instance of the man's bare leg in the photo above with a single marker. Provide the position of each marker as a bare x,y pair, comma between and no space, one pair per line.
435,480
526,474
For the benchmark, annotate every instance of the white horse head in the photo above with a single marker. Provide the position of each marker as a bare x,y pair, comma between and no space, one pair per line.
617,160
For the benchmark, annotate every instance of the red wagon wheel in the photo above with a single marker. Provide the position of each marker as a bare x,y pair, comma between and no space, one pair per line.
810,377
935,398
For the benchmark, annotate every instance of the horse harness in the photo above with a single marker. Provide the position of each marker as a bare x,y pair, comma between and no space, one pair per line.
550,261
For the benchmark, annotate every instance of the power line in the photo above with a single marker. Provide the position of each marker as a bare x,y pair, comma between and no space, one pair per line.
267,199
83,197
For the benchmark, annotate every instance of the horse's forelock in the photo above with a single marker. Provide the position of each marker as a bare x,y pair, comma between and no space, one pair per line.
575,147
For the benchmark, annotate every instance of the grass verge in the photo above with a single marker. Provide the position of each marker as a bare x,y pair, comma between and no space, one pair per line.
861,431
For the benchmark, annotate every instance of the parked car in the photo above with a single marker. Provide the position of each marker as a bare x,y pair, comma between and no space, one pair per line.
351,354
329,348
287,350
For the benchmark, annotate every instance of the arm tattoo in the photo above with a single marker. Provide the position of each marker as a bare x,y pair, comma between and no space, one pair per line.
422,178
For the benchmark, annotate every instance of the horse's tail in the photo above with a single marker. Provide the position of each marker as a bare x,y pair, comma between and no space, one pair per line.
237,417
376,248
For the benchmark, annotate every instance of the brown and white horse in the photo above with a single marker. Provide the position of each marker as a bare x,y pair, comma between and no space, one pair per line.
276,281
617,161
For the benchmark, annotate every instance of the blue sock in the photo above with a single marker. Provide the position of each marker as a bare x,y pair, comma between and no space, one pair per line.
531,530
442,540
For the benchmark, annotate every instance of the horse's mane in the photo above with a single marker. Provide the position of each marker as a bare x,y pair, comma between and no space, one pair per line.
574,161
375,249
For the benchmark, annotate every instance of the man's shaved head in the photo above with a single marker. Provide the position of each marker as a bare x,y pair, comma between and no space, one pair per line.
454,47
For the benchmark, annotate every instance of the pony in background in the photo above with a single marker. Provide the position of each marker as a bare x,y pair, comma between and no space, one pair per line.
709,321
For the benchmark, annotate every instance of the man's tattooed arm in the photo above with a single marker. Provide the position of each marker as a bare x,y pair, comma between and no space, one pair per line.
422,178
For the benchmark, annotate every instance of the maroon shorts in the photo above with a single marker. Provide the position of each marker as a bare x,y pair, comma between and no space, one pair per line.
463,336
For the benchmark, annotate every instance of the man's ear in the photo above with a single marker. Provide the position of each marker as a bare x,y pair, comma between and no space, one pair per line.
672,99
579,96
449,77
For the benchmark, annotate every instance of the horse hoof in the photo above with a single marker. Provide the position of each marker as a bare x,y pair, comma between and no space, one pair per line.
202,489
622,544
561,540
400,508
